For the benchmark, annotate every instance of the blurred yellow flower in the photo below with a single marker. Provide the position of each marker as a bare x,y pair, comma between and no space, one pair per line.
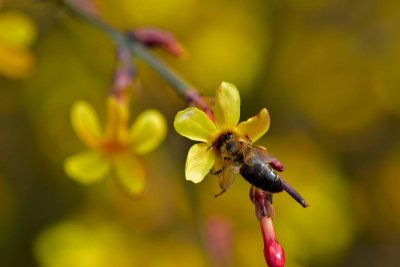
96,243
114,148
80,244
194,124
17,32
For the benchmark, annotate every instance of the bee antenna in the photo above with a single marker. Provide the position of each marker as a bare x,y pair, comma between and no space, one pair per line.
215,143
248,138
212,145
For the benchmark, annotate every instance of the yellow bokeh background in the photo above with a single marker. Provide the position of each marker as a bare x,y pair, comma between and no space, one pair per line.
327,71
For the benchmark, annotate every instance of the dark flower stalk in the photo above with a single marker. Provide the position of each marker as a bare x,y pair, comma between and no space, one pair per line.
153,37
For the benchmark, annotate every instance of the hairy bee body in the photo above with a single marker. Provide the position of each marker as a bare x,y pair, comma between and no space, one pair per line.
261,175
253,163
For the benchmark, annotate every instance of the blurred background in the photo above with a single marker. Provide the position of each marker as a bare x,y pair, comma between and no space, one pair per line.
327,71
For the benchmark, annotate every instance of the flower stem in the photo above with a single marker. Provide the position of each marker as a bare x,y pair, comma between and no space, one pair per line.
273,251
183,89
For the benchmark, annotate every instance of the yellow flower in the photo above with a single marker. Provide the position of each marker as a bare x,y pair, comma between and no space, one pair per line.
17,32
114,149
194,124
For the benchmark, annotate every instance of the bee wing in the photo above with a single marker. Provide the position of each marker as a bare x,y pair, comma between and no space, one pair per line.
249,154
261,153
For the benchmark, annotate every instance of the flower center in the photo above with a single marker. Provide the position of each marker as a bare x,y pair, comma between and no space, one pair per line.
112,147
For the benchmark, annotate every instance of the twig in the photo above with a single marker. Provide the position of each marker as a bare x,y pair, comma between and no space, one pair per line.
183,89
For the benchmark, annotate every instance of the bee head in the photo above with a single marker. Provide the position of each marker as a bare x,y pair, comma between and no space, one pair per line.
224,141
229,142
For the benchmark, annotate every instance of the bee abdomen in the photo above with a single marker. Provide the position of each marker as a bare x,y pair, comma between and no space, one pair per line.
262,176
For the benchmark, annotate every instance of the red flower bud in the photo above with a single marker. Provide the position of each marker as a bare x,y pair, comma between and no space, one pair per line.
274,254
153,37
276,165
124,72
273,251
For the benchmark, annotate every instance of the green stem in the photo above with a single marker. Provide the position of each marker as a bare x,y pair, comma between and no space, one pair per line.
182,88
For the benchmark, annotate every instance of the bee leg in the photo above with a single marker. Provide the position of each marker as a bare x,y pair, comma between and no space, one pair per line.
217,172
226,175
220,193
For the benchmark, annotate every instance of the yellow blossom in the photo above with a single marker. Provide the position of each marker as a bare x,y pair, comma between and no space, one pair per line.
17,32
194,124
116,147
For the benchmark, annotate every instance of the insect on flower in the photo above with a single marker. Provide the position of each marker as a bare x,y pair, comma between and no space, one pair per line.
227,145
253,163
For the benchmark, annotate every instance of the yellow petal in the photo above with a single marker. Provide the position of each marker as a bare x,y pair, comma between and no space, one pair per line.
117,120
16,63
227,106
199,162
130,174
85,123
195,125
86,167
148,131
256,126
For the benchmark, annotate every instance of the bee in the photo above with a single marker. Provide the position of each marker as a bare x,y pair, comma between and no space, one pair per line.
253,163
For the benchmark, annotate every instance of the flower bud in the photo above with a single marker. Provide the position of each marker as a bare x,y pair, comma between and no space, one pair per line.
124,73
276,165
273,252
153,37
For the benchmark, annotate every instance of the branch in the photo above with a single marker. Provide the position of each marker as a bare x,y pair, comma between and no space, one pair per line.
182,88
